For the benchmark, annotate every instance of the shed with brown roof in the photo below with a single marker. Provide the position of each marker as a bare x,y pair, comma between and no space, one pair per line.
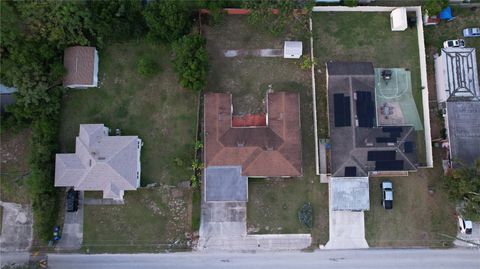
81,64
262,151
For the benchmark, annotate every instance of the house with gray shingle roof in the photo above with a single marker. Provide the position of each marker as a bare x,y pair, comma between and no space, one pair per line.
100,163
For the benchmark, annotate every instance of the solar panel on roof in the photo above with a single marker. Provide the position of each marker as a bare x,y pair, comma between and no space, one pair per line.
389,165
408,147
341,108
365,109
392,129
395,134
386,140
381,155
350,171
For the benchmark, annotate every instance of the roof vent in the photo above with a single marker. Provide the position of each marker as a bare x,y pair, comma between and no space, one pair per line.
101,158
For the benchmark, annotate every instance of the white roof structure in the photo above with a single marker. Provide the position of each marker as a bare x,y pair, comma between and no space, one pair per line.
100,163
292,49
398,19
349,193
456,75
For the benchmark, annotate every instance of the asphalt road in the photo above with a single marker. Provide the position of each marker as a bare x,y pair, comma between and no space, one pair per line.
371,259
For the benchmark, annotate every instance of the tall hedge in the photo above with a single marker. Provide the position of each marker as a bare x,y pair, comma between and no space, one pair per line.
191,61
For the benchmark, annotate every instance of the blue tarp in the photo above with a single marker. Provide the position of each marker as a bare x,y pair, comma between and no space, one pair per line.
446,14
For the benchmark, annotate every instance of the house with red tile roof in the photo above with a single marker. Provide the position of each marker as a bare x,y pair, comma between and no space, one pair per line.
271,150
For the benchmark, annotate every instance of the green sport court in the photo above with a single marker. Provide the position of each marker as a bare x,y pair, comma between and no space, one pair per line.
394,100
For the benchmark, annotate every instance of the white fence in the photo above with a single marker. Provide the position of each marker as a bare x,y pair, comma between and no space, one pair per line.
423,69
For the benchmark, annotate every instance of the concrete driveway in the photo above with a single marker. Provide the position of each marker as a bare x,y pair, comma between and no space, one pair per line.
223,227
346,228
72,232
17,232
469,240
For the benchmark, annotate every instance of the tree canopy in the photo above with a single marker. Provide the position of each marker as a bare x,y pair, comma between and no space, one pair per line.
167,20
463,185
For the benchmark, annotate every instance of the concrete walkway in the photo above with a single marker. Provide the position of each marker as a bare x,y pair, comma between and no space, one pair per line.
255,53
72,232
17,232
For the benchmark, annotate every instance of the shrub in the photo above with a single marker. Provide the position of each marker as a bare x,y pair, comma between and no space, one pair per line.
147,67
306,63
350,3
305,215
191,62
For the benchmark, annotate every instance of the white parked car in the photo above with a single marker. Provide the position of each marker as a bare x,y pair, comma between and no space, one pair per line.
465,226
471,32
387,194
460,43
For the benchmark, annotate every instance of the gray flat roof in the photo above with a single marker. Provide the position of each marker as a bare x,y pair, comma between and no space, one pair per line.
225,184
349,193
463,120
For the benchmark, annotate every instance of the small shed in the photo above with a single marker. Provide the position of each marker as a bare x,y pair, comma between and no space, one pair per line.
398,19
292,49
81,64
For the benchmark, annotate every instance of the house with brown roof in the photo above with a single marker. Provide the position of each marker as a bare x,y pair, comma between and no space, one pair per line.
273,150
81,63
100,163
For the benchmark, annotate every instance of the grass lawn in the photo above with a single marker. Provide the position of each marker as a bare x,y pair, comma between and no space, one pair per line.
356,36
273,203
163,115
418,218
14,167
151,220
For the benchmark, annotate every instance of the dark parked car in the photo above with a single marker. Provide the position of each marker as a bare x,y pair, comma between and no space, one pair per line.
72,200
387,194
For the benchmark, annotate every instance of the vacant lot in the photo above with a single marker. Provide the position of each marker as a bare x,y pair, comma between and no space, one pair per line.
14,167
422,215
273,203
356,36
163,115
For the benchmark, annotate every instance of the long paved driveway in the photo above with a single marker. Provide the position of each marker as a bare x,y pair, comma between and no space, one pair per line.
72,232
358,259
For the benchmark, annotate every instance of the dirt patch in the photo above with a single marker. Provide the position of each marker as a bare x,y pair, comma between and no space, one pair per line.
14,169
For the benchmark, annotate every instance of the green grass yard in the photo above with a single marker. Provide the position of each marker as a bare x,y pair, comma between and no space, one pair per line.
357,36
418,217
273,203
163,115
